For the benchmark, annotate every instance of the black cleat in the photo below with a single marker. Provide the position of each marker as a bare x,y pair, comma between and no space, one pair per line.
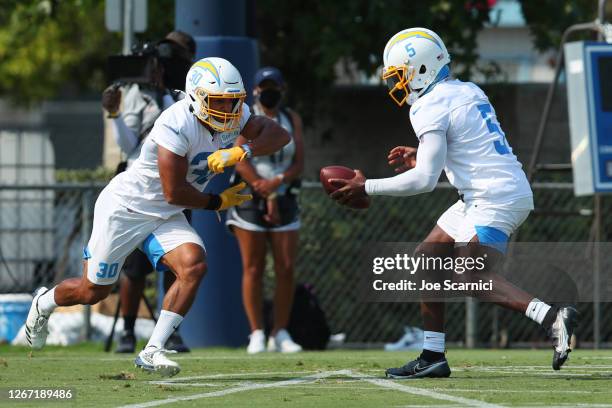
126,343
561,333
176,343
420,368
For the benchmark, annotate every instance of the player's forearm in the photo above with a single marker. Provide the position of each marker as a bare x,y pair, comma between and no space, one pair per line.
269,139
409,183
430,160
269,142
186,196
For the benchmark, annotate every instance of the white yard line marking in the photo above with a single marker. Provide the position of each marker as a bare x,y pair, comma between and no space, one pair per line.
577,405
234,374
423,392
502,391
547,373
181,381
547,367
543,404
168,384
130,358
234,390
595,358
338,387
429,406
495,391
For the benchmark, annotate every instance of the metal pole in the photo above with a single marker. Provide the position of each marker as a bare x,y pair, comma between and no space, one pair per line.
128,27
494,326
471,311
601,14
19,179
596,273
86,200
531,170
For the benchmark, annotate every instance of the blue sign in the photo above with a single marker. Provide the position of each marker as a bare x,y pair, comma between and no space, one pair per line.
589,96
598,59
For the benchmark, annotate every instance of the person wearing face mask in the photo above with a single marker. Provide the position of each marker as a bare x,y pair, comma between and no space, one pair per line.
271,218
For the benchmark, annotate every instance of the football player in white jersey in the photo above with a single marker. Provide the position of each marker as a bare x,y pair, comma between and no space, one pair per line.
459,133
191,141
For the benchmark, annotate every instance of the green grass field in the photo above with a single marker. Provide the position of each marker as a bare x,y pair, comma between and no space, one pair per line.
222,377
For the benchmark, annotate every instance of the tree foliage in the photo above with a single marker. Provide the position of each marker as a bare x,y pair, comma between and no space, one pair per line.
548,19
306,39
51,47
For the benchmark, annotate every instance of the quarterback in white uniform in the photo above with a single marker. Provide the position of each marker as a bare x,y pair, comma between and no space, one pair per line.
191,141
459,133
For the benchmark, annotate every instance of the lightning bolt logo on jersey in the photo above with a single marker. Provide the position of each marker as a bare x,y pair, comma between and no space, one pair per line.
178,130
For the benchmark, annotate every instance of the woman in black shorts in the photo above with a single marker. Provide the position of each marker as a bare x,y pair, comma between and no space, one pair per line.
272,217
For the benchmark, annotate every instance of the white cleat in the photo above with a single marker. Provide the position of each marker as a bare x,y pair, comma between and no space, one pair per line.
561,335
283,343
257,342
36,330
154,360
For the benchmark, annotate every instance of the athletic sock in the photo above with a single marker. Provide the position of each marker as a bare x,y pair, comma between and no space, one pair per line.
537,310
431,356
46,302
550,317
166,324
433,346
128,323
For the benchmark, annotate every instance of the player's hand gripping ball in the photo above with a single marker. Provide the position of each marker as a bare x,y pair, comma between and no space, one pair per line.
222,158
345,186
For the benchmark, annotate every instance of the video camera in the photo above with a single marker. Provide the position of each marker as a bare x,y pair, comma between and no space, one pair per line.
138,67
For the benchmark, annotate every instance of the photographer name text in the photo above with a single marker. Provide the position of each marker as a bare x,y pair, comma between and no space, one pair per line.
423,285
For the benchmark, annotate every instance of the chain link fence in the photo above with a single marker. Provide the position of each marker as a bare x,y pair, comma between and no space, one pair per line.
332,238
43,229
42,232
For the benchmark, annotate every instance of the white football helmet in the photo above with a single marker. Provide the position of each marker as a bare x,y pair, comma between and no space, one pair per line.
412,60
212,79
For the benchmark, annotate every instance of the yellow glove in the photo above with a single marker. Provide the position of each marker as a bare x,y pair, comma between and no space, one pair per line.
225,158
230,197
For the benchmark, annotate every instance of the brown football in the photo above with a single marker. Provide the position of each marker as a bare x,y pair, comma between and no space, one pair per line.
341,172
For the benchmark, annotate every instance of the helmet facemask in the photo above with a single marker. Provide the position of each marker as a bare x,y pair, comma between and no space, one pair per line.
398,81
216,94
219,120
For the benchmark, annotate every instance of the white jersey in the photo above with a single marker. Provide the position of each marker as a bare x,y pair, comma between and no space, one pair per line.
479,161
178,130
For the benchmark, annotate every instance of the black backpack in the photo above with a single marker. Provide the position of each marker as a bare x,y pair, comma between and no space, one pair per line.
307,324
